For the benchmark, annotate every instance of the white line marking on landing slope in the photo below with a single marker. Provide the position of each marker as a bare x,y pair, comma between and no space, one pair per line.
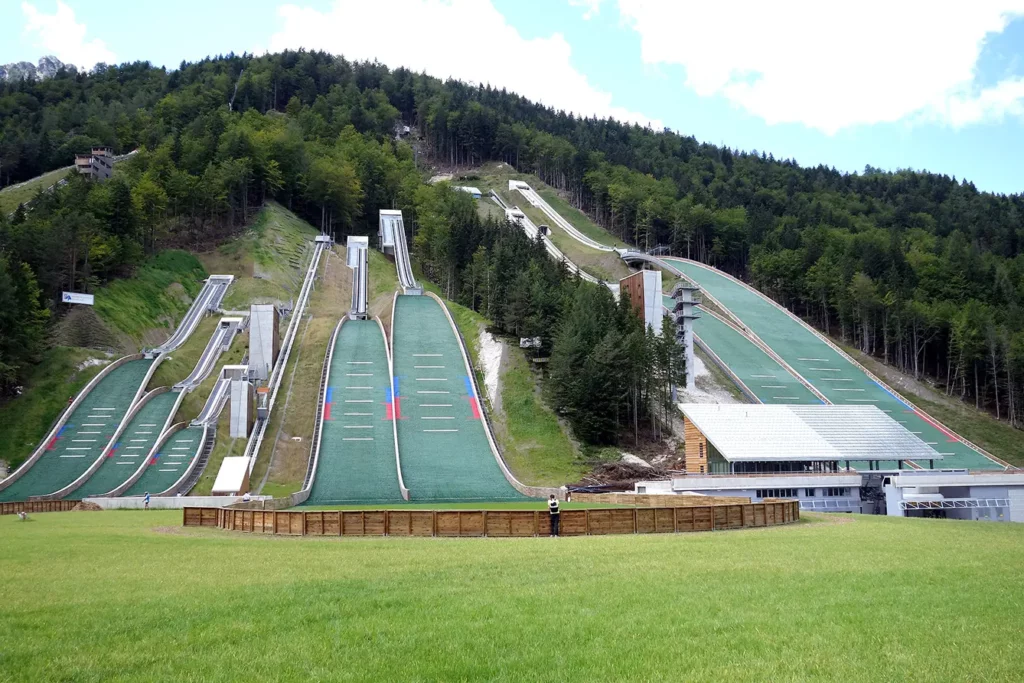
440,430
437,418
359,414
358,426
359,374
435,405
357,438
764,376
360,362
429,367
819,360
431,379
426,355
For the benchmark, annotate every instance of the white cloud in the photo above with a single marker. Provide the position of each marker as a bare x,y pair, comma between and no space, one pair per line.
832,65
464,39
591,8
60,35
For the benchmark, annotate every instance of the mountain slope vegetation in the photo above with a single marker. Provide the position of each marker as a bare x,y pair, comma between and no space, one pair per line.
922,270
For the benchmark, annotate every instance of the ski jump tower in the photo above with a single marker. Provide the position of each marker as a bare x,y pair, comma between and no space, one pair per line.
685,313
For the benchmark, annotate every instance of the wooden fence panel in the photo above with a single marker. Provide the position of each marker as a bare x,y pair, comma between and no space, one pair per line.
646,520
422,523
703,519
352,522
399,523
572,523
529,523
375,522
499,523
448,523
664,520
472,523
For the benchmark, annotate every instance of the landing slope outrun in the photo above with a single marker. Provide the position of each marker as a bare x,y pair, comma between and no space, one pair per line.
167,466
87,431
134,445
765,378
357,446
445,453
841,381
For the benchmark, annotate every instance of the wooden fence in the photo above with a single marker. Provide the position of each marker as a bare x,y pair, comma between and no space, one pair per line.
653,500
37,506
499,523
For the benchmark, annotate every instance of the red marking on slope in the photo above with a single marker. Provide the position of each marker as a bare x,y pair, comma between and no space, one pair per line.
475,405
949,435
327,411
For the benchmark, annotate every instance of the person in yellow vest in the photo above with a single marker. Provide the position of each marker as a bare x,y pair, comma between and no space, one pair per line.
555,514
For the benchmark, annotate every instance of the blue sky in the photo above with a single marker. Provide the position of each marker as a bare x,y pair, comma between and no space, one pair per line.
883,82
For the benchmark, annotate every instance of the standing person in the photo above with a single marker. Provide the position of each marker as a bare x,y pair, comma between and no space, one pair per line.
146,500
554,512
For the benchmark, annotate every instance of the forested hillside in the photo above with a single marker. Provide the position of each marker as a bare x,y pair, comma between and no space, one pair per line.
920,269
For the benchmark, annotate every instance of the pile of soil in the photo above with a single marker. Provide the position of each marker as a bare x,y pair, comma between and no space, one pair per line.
86,506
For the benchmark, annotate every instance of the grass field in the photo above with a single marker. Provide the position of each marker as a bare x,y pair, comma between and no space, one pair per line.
11,196
131,596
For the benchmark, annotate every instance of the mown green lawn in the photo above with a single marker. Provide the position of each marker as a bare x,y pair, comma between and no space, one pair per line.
131,596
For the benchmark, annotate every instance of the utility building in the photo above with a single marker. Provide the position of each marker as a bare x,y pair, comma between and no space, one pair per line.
264,340
782,439
98,164
643,289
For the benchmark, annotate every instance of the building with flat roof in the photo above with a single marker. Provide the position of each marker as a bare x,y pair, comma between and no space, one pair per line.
831,459
98,164
474,191
777,439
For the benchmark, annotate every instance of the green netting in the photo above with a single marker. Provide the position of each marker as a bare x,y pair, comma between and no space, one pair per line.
131,449
357,450
167,466
87,431
445,453
830,373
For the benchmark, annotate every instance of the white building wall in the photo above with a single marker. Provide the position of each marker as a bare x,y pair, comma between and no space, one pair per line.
652,299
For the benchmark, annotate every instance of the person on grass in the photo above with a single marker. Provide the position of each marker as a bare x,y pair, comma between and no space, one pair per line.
554,512
146,500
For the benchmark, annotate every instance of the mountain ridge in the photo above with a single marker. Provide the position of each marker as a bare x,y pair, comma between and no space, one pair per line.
46,67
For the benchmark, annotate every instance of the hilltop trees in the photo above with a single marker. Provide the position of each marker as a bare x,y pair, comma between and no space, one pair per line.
921,269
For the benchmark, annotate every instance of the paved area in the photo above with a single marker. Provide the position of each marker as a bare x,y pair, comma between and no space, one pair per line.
833,375
132,448
357,449
88,429
441,438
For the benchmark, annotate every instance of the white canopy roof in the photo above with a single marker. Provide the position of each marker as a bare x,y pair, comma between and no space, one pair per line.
805,432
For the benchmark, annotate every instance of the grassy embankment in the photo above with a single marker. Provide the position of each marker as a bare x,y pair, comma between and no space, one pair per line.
269,262
851,599
11,197
532,441
128,315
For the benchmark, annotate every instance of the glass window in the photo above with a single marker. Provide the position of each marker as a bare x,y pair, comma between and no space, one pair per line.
809,493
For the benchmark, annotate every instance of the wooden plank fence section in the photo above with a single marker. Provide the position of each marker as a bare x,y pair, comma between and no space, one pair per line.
653,500
495,523
37,506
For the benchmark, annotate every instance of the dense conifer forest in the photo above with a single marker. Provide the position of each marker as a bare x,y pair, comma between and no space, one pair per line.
921,270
